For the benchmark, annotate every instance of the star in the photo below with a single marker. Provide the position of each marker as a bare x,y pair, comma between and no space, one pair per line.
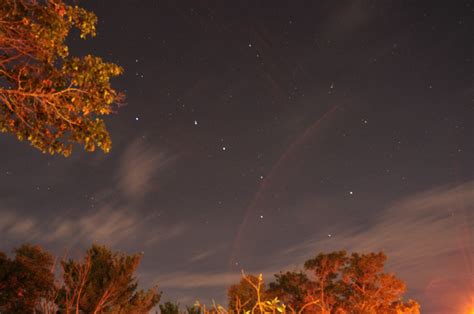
136,118
223,148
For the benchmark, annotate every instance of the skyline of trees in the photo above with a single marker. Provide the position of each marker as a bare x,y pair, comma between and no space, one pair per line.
103,281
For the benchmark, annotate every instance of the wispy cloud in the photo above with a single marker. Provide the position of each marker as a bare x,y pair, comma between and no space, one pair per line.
139,164
419,233
164,233
116,217
198,280
186,280
202,255
428,238
108,225
423,225
11,224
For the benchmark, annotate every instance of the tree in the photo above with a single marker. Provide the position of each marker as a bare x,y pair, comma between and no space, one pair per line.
356,284
47,97
243,296
291,288
338,283
169,308
409,307
193,310
104,282
27,281
326,286
367,289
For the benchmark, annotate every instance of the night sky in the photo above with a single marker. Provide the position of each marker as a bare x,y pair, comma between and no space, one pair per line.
258,133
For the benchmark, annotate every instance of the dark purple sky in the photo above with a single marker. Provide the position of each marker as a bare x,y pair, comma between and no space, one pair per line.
258,133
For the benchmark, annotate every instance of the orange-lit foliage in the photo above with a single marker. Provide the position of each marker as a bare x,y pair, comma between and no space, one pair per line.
102,282
47,97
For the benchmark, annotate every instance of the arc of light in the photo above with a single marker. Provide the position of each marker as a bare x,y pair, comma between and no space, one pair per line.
268,178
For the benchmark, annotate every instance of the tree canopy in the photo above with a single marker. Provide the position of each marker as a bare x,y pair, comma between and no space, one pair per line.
26,280
169,308
330,283
102,282
243,296
47,96
290,287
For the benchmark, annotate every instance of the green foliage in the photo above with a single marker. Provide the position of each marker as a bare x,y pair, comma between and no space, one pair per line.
273,305
169,308
47,97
